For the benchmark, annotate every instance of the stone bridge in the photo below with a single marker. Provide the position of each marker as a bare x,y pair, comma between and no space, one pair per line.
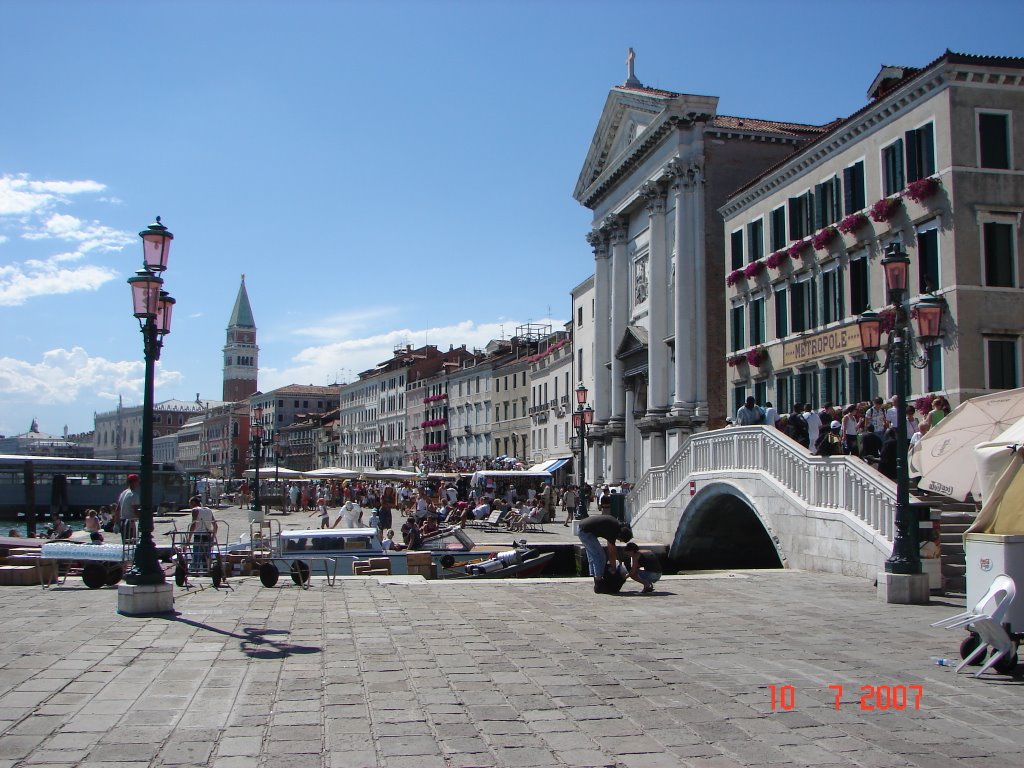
749,497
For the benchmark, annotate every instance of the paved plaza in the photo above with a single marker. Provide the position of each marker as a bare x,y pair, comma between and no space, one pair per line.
400,672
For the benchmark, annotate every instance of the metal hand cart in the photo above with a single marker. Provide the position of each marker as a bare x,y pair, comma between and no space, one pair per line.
199,554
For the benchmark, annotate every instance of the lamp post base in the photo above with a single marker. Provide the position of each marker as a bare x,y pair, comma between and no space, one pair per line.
145,599
904,588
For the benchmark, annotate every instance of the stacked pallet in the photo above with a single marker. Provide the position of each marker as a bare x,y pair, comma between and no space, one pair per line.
21,567
375,566
420,564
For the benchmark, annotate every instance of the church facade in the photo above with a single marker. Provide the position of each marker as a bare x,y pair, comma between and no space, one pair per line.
659,166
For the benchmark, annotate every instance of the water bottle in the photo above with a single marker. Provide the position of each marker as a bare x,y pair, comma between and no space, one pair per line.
941,662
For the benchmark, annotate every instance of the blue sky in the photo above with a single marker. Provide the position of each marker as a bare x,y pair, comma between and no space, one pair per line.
383,172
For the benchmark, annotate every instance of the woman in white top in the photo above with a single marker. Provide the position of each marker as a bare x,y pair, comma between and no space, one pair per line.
850,429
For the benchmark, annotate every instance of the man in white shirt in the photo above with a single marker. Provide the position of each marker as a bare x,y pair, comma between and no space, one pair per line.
204,531
126,511
813,423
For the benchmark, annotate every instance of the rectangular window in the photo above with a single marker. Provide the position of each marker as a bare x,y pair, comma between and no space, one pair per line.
781,314
862,381
920,152
1001,354
999,254
832,296
739,397
801,215
803,306
756,315
993,140
928,260
737,249
933,371
827,198
893,178
579,316
783,394
805,388
755,236
860,297
736,320
853,188
778,233
761,392
833,384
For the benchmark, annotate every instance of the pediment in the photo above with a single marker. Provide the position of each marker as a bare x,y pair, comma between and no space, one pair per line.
634,339
625,115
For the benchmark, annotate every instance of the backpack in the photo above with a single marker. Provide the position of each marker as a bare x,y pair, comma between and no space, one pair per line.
830,445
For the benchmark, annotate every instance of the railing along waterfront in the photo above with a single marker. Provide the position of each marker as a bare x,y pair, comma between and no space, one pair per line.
833,482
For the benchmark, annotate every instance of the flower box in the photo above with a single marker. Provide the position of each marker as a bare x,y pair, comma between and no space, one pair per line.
852,223
776,260
885,209
735,360
753,269
823,239
922,189
734,277
796,250
757,355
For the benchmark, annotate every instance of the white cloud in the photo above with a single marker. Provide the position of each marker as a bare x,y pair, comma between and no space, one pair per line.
28,207
345,325
65,375
20,282
20,195
343,360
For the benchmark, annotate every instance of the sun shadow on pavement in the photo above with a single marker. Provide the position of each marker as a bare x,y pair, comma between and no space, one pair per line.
256,643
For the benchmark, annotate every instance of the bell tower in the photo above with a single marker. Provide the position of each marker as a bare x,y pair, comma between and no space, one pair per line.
241,355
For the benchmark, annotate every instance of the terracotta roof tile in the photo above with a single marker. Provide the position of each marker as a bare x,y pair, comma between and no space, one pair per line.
771,126
649,91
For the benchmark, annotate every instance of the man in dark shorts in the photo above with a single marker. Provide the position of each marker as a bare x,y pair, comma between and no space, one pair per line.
387,503
644,566
609,528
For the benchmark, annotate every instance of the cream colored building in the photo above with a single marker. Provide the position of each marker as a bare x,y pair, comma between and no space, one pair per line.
942,147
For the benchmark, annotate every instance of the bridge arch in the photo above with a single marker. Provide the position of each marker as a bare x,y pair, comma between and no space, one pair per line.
721,528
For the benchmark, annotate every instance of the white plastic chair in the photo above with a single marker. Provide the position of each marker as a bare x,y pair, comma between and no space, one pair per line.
994,640
1000,593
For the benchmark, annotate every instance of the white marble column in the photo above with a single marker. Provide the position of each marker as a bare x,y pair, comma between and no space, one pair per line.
602,344
657,328
616,228
685,300
700,287
657,350
629,473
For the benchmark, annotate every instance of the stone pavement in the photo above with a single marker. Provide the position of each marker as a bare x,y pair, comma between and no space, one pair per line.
400,672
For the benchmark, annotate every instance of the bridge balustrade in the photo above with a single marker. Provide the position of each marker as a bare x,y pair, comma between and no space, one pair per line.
840,483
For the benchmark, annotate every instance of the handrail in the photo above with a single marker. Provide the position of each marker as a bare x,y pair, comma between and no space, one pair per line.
833,482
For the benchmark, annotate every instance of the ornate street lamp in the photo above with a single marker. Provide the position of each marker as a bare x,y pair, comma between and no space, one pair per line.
152,307
900,354
259,438
581,421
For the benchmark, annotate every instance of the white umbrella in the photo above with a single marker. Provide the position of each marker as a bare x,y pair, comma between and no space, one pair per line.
945,458
327,472
1002,483
268,473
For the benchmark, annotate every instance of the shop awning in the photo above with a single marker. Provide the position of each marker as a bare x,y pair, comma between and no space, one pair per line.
551,465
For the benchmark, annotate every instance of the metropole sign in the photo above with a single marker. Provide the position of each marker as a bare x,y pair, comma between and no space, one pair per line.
832,343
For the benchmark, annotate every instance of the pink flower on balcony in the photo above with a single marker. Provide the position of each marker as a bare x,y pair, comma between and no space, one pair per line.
852,223
823,239
885,209
753,269
734,277
922,189
757,355
776,260
796,250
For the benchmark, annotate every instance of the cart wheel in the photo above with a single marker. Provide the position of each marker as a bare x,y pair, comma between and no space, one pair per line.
968,646
1007,664
447,561
180,574
113,575
216,573
269,574
300,572
94,575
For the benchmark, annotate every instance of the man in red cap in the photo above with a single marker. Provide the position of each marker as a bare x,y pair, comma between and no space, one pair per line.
126,511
